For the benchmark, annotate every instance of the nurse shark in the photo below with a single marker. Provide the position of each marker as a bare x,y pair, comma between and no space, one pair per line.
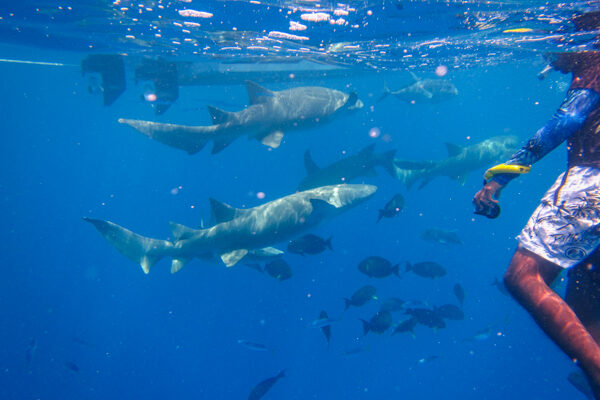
269,115
355,166
460,162
237,232
424,91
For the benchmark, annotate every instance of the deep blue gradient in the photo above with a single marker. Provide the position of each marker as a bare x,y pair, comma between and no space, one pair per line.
159,336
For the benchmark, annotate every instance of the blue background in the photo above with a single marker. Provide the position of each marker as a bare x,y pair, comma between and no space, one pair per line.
157,336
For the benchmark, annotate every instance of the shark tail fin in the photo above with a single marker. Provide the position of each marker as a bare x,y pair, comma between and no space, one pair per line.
140,249
188,138
409,172
387,162
386,93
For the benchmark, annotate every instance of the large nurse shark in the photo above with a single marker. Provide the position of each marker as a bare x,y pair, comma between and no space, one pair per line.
347,169
460,162
237,232
269,115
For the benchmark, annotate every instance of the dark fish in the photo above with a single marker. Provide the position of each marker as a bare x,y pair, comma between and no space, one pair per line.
500,286
441,236
378,267
72,366
309,244
406,326
279,269
379,323
361,296
392,304
578,379
263,387
459,292
480,335
427,269
326,329
252,345
354,351
450,311
392,208
427,317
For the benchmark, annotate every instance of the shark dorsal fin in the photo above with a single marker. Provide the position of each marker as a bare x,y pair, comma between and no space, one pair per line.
221,212
309,164
453,149
368,149
257,94
218,116
181,232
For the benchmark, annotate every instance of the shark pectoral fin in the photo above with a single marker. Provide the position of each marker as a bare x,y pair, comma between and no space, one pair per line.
427,94
178,263
367,149
218,116
257,94
273,139
310,166
232,258
453,149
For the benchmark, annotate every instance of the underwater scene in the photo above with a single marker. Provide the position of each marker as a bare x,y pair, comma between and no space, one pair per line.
231,199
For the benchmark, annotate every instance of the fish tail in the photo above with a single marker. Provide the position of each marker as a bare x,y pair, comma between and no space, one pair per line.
188,138
387,162
381,212
281,374
140,249
408,267
347,303
396,270
366,327
328,243
386,93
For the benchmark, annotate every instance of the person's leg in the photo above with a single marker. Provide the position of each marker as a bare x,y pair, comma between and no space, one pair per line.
527,279
583,294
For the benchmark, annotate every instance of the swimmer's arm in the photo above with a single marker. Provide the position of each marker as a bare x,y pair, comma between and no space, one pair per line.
567,120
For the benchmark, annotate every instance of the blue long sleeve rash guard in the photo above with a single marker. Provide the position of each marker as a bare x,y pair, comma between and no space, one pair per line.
567,120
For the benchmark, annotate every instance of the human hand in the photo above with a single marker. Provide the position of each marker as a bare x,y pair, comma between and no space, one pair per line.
485,200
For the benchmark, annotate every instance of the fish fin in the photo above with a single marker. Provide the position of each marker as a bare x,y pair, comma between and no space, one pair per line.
319,208
181,232
178,263
220,144
414,76
462,179
408,267
309,164
453,149
191,139
328,243
352,99
366,327
273,139
386,160
143,250
257,94
231,258
347,304
221,212
386,93
381,212
427,93
218,116
396,270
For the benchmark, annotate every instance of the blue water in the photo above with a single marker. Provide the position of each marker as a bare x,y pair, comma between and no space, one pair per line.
156,336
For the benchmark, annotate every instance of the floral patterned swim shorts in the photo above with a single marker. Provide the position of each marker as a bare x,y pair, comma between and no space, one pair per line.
565,227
